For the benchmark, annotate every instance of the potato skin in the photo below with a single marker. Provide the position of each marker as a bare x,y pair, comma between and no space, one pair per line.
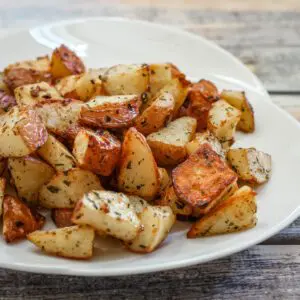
62,217
7,101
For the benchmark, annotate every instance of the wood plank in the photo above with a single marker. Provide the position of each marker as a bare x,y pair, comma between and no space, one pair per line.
262,272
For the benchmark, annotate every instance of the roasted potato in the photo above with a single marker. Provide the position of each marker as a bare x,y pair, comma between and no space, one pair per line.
31,94
111,111
2,191
18,219
239,100
21,132
57,155
7,101
62,217
203,179
28,175
126,79
65,62
66,188
236,213
250,164
222,121
69,242
157,115
107,211
168,144
137,203
138,172
157,222
164,179
98,153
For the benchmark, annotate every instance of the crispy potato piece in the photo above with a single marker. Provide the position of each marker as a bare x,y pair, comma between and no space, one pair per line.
111,111
168,144
239,100
222,121
2,191
66,188
108,211
250,164
164,179
157,115
21,132
62,217
138,172
28,175
31,94
69,242
202,138
203,179
57,155
126,79
18,219
65,62
98,153
236,213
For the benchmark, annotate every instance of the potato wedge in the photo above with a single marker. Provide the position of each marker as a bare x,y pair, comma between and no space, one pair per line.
157,115
138,172
66,188
126,79
202,138
29,174
250,164
137,203
98,153
157,222
168,144
65,62
62,217
18,219
2,191
57,155
21,132
164,179
222,121
234,214
31,94
108,211
203,179
111,111
69,242
239,100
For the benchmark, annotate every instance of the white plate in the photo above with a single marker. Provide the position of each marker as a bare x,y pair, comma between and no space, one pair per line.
104,42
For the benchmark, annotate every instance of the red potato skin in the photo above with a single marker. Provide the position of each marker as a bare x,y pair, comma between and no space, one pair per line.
62,217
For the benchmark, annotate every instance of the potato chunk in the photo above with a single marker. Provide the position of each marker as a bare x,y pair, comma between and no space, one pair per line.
7,101
21,132
31,94
66,188
137,203
239,100
69,242
168,144
107,211
138,172
222,121
251,165
28,175
62,217
236,213
126,79
164,179
98,153
111,111
203,179
65,62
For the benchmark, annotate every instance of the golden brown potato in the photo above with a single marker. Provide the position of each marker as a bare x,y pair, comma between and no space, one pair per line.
138,172
69,242
62,217
236,213
164,179
18,219
2,191
239,100
28,175
111,111
21,132
157,115
168,144
65,62
203,179
98,153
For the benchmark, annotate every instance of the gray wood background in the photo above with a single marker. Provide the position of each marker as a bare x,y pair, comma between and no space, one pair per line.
265,35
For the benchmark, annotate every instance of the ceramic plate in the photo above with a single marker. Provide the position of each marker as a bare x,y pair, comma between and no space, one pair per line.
104,42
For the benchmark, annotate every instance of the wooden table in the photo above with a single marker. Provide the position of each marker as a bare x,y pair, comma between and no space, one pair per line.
265,35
